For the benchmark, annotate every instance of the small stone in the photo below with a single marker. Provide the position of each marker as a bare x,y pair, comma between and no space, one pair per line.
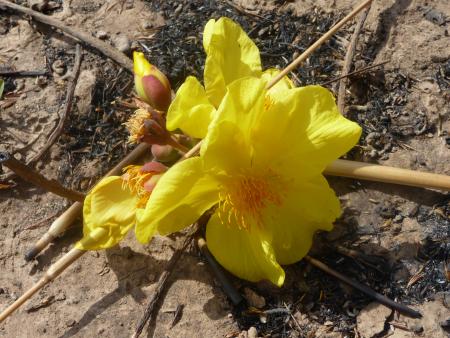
122,43
263,31
254,299
415,327
20,84
398,218
72,301
40,81
148,25
243,334
102,35
371,320
446,300
59,67
129,5
178,9
252,332
70,323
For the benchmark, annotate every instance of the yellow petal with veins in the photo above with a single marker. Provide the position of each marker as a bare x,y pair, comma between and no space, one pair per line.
181,196
110,207
306,208
283,84
230,55
191,110
231,125
247,254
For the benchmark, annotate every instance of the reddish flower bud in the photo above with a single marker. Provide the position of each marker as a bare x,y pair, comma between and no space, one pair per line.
151,84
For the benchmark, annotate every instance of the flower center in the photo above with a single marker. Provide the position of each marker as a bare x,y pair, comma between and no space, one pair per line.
134,179
245,197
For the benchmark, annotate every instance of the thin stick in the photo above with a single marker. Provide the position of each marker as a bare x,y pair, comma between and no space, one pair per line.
86,38
229,289
23,73
381,173
68,217
162,283
349,58
365,289
358,71
66,111
32,176
302,57
192,152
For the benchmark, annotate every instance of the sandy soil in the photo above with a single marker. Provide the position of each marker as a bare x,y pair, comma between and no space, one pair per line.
105,293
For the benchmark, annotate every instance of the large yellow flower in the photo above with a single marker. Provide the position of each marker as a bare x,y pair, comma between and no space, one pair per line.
109,209
230,55
261,165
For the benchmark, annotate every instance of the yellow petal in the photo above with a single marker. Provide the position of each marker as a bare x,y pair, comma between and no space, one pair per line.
230,127
302,131
181,196
247,254
191,110
230,55
283,84
110,207
207,33
141,66
306,208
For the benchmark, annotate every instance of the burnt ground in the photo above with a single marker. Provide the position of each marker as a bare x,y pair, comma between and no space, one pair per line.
399,235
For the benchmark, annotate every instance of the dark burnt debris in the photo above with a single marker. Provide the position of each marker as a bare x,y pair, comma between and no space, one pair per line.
177,46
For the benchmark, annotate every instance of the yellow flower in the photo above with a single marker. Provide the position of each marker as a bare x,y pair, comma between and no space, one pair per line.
230,55
261,165
109,209
151,84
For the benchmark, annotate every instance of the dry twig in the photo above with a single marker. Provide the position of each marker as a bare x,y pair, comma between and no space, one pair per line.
37,179
358,71
23,73
349,59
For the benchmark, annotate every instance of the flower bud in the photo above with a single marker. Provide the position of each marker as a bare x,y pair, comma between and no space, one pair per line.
165,153
151,84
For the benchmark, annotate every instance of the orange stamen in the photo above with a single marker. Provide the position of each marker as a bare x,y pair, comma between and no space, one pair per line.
245,196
